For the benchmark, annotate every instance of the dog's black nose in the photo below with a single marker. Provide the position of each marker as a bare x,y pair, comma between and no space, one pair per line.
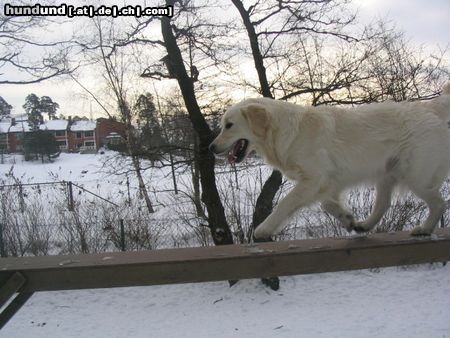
212,148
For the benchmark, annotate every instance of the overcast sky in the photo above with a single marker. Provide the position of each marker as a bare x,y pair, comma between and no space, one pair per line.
425,22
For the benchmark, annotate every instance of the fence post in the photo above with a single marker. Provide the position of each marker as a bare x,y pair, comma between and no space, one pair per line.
21,199
122,235
2,243
70,192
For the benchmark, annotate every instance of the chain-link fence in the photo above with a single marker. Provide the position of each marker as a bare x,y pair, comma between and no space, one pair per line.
69,217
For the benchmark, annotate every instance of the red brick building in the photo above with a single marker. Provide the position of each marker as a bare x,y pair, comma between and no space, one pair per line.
72,136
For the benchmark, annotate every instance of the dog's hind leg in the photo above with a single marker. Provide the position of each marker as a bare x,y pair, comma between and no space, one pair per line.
382,203
333,207
436,205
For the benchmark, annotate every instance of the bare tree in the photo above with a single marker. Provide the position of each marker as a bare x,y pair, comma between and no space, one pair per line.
217,223
114,68
397,71
379,66
26,59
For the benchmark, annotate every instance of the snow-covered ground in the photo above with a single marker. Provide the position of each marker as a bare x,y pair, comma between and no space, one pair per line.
393,302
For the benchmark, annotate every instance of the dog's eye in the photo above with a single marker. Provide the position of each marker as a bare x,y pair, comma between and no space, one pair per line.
228,125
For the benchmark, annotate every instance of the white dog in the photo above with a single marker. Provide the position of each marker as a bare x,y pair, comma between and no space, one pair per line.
327,149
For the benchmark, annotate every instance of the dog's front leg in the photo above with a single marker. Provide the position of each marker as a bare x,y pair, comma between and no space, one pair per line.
300,196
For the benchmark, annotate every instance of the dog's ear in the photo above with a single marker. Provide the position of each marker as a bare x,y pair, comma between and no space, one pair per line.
257,118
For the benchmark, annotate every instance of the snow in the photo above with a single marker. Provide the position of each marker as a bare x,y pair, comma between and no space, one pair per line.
54,125
67,167
83,125
20,126
393,302
4,126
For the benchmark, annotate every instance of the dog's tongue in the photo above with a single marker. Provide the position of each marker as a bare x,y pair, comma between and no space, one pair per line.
232,155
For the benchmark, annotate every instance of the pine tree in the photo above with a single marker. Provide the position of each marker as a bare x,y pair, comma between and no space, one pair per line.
31,107
46,105
35,107
5,107
40,144
151,136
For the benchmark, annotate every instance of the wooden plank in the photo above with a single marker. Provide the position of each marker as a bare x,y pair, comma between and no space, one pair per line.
120,269
10,287
13,307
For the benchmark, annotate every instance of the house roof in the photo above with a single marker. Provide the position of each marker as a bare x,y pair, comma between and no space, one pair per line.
83,125
54,125
19,126
19,117
4,127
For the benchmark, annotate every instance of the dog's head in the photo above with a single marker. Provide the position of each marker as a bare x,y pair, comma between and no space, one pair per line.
243,127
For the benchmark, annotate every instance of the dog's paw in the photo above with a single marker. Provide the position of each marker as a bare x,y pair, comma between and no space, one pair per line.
262,233
420,231
348,221
360,227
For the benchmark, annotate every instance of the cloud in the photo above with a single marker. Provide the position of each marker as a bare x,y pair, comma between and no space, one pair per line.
424,22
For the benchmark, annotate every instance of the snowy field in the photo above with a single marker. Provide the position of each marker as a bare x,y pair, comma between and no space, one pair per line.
394,302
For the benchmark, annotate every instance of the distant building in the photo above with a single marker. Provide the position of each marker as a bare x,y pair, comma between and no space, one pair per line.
109,131
82,136
18,126
59,128
71,136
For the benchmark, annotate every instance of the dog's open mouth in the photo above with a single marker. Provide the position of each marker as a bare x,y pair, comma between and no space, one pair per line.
238,151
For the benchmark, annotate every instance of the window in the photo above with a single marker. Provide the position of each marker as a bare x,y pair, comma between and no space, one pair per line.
62,144
60,133
78,134
89,133
89,144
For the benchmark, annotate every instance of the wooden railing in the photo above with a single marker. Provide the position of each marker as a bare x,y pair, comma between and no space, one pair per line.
25,275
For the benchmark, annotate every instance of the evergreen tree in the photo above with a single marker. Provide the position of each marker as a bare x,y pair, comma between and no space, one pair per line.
151,138
5,107
40,144
46,105
31,107
35,107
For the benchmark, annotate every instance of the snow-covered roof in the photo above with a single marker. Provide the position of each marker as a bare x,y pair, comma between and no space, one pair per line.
4,127
83,125
19,117
20,126
54,125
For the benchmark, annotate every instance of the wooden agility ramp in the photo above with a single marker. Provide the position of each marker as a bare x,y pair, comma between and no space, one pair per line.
21,277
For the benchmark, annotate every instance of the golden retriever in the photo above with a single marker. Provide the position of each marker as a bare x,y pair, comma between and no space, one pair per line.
328,149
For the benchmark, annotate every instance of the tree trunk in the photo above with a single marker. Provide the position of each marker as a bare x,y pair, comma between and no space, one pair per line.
196,183
264,203
256,52
142,186
217,223
131,146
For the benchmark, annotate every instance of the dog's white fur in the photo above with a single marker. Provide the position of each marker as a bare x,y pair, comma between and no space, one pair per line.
328,149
